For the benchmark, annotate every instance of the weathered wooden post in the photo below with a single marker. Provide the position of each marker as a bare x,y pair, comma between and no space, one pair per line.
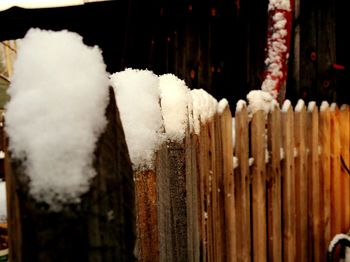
68,173
100,228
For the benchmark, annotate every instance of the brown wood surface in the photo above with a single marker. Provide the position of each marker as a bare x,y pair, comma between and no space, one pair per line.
227,190
258,187
315,215
344,151
274,207
301,186
325,173
101,228
242,187
336,208
288,186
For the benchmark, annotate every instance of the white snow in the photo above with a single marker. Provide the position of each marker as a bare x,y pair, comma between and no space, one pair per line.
336,239
59,92
138,94
2,154
281,153
333,106
260,100
251,161
204,108
175,97
311,106
223,103
279,4
286,105
300,105
235,162
240,105
233,133
324,106
3,210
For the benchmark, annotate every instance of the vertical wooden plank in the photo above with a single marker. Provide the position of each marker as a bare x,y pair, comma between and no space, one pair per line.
228,187
301,193
146,216
314,184
274,187
212,193
203,188
242,185
259,187
192,184
288,185
219,204
325,171
344,151
335,173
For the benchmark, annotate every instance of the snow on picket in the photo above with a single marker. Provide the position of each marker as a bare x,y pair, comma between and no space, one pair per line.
59,93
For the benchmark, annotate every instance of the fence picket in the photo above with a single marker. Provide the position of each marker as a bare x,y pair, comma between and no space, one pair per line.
258,187
344,151
227,189
314,186
325,175
242,187
274,188
301,193
336,208
288,186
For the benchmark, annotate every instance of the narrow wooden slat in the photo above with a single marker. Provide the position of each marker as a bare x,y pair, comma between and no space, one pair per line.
228,187
315,217
203,163
288,186
146,216
274,187
218,193
242,187
344,151
325,173
335,173
212,193
258,187
301,193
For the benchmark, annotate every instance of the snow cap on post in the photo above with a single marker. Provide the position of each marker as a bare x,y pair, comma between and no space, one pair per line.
260,100
138,94
59,93
175,98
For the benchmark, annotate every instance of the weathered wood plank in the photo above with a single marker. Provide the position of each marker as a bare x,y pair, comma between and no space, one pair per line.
242,187
301,188
274,208
101,228
258,187
325,173
288,186
335,173
228,187
344,151
315,217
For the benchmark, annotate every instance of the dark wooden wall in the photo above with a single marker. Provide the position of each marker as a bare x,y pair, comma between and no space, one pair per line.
217,45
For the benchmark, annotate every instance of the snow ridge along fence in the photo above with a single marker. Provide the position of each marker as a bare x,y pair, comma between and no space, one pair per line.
280,194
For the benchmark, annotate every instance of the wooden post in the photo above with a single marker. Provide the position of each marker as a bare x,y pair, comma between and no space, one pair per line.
345,178
288,186
301,193
274,208
315,225
100,228
227,194
258,187
242,187
335,172
325,173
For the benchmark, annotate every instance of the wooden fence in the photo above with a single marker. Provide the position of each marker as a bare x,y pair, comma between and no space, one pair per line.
283,199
